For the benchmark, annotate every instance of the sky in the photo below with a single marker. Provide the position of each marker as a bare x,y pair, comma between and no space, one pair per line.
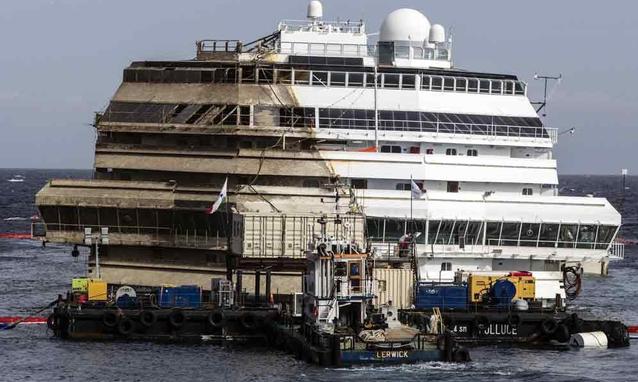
61,61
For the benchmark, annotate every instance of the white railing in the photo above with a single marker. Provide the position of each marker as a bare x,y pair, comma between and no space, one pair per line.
323,49
322,26
617,251
437,127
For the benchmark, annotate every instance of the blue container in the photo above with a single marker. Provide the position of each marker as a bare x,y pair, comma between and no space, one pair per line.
185,296
441,296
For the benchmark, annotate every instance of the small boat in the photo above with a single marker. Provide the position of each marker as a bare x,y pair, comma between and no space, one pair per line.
17,179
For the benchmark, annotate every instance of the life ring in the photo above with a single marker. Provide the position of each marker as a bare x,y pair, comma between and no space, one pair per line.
176,318
461,355
561,334
248,321
110,319
125,326
148,318
549,326
216,319
52,322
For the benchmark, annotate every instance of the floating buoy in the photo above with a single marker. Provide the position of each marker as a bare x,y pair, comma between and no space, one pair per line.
589,340
12,235
23,320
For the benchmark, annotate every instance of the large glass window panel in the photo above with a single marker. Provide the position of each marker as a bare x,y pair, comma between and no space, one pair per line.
484,86
394,229
374,228
473,233
493,233
355,79
461,84
459,232
448,83
472,84
529,234
320,78
586,236
567,236
432,230
425,82
509,236
302,77
445,232
605,234
437,83
549,235
391,81
407,81
337,79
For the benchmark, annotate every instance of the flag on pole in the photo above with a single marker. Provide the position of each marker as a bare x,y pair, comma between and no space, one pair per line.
222,195
416,190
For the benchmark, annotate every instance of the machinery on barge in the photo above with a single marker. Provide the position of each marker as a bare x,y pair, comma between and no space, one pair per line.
333,322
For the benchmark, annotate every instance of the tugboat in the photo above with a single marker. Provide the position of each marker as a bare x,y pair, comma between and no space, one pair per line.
339,290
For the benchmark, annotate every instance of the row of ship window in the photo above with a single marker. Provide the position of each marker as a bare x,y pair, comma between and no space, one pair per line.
451,186
493,233
332,118
259,75
396,149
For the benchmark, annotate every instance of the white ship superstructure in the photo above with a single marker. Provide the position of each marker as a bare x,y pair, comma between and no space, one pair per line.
472,141
316,107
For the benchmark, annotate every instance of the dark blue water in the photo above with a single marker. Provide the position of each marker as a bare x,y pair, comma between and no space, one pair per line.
31,276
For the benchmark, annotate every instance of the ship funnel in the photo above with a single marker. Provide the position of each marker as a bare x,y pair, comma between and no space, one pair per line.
315,10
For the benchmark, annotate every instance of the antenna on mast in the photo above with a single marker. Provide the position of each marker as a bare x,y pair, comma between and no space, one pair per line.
546,79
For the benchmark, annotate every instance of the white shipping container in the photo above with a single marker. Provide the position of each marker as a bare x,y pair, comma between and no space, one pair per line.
278,235
394,285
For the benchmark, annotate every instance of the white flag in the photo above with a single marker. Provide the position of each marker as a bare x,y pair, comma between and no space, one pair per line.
220,199
416,191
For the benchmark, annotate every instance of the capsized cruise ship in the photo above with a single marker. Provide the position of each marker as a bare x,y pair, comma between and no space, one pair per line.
316,119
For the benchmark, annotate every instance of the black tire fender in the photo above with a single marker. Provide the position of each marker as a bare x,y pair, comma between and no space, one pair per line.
461,355
110,319
561,334
148,318
248,321
52,322
549,326
216,319
515,320
440,343
176,318
125,326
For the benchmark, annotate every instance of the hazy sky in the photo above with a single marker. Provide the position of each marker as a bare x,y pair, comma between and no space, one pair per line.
61,60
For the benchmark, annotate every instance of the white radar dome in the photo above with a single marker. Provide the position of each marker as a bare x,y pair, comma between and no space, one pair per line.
315,10
437,33
405,25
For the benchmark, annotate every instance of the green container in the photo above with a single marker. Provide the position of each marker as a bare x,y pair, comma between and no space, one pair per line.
80,285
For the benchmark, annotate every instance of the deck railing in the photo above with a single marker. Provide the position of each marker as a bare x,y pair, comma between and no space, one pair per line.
617,251
160,236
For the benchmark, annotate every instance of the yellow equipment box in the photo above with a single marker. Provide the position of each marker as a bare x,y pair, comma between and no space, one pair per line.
80,285
97,290
479,285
